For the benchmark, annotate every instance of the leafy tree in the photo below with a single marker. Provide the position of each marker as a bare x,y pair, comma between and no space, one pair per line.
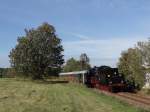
145,51
37,52
72,65
130,64
77,65
84,60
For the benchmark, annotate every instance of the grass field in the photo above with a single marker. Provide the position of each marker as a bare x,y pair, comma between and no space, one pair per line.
27,96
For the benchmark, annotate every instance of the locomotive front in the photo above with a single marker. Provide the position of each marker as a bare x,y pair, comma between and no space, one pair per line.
106,78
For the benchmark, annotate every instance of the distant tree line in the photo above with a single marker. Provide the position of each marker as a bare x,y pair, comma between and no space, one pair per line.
135,62
77,65
7,73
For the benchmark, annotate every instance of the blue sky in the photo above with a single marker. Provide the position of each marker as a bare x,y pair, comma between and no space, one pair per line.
100,28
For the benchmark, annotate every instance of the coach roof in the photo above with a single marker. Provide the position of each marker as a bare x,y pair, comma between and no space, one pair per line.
74,73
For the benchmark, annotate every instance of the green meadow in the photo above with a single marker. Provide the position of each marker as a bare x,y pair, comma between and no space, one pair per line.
26,96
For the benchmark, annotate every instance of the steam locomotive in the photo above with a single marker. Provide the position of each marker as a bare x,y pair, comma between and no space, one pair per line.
108,79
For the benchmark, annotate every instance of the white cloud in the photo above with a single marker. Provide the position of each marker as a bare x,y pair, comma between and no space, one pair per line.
82,37
100,51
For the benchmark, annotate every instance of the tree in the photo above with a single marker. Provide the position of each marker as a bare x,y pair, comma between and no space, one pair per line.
72,65
145,51
77,65
37,52
84,60
130,64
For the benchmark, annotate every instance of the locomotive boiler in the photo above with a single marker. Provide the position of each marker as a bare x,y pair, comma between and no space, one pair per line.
108,79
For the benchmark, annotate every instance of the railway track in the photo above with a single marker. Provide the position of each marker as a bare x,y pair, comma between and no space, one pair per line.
131,98
138,99
141,96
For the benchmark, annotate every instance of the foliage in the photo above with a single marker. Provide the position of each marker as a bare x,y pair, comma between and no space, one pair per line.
36,52
10,73
130,64
84,60
7,73
145,51
75,65
2,72
72,65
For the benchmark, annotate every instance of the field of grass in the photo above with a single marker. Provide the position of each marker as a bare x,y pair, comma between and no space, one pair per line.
27,96
145,91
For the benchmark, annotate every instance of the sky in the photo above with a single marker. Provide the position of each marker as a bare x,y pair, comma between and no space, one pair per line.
100,28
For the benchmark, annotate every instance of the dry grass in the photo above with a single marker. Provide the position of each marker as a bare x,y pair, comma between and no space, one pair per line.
27,96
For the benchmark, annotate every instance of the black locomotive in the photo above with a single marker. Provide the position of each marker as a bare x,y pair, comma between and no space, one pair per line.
108,79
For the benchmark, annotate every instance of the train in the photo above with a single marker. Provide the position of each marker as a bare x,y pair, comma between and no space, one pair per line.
108,79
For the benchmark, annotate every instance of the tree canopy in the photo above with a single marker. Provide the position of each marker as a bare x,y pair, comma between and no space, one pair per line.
144,48
37,52
84,60
77,65
72,65
130,64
